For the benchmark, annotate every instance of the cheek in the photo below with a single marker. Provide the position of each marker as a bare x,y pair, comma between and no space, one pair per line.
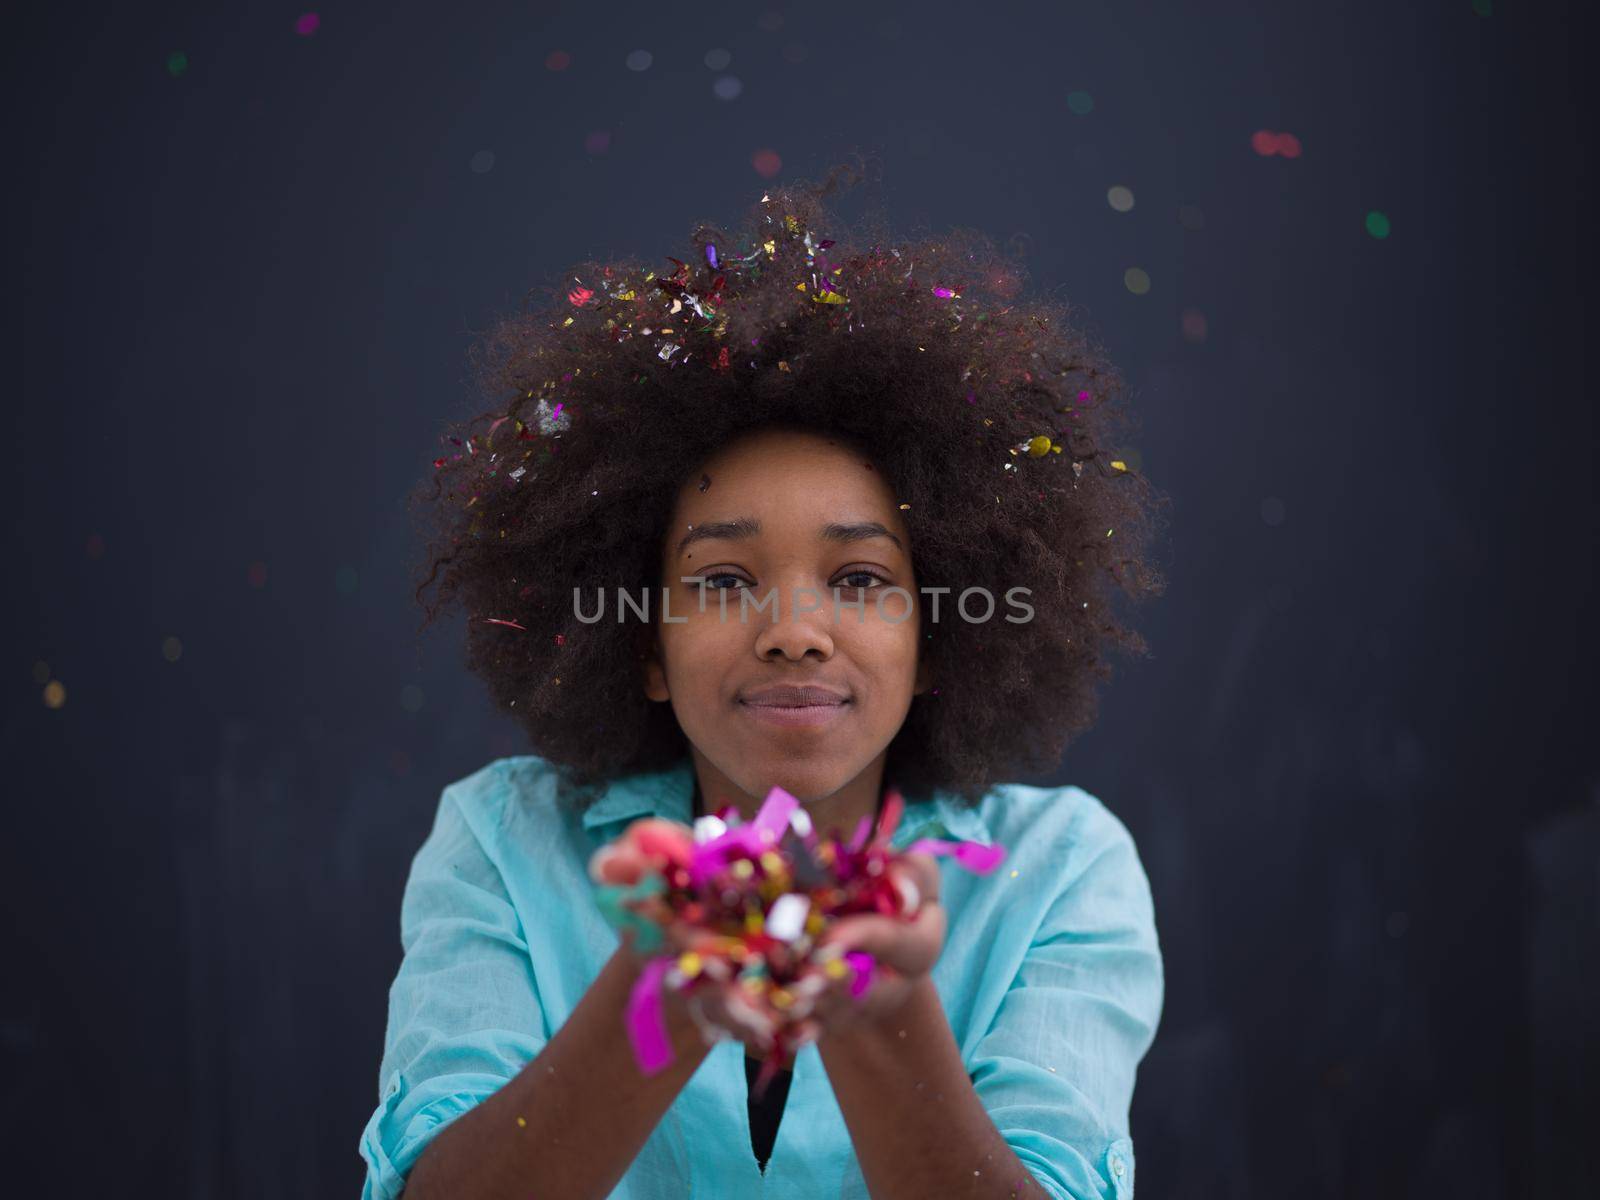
700,650
886,649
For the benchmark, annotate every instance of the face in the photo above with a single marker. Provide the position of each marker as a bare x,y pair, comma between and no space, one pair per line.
781,512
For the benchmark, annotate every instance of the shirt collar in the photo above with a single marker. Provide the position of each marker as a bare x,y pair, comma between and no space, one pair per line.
670,794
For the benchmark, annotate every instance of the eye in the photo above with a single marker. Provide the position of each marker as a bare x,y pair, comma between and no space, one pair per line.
861,573
705,581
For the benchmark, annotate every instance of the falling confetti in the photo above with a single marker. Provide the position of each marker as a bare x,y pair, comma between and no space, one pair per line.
307,23
1081,103
1137,280
1267,144
504,621
1120,198
766,163
1377,224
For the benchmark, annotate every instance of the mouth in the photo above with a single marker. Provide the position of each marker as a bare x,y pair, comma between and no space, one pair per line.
792,716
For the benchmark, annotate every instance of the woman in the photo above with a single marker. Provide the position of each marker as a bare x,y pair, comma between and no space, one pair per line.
868,525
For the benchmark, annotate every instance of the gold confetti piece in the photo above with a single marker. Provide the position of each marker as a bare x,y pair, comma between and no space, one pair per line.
55,695
1015,873
1108,533
801,286
782,365
832,298
1118,465
904,507
689,963
742,868
522,1122
791,224
770,247
630,294
567,322
1039,446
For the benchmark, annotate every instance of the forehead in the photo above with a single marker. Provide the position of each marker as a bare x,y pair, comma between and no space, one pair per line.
786,479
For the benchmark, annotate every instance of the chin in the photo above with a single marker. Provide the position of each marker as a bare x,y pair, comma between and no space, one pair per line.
806,782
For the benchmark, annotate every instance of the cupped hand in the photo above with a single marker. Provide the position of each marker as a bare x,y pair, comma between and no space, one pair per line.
903,949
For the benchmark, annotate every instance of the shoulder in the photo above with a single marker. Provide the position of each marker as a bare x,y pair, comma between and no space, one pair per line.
487,799
1067,835
1055,821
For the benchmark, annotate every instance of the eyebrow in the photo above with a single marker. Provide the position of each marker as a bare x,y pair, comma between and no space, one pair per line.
747,527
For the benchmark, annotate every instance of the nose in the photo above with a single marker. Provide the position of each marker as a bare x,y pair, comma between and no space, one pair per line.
793,633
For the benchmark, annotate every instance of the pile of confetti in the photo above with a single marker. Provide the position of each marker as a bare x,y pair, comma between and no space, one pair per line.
762,893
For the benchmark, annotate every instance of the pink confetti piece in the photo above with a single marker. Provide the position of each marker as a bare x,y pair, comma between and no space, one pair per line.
504,621
974,856
861,964
647,1022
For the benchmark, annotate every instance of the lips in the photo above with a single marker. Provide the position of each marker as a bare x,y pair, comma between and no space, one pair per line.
793,706
792,696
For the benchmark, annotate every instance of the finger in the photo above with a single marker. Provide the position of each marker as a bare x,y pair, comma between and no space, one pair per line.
618,863
922,871
920,942
729,1007
912,947
661,840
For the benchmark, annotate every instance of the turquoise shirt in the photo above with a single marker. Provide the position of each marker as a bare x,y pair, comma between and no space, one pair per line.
1050,977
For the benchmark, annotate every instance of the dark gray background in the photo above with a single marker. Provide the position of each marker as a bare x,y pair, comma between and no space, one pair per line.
1356,766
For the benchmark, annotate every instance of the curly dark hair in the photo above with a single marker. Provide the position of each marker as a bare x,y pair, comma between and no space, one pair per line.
992,419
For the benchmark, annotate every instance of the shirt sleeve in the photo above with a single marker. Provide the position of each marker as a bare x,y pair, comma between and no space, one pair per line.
1056,1068
464,1010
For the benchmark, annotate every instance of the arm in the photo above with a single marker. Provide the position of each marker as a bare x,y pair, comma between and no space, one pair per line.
919,1127
587,1110
1040,1106
468,1051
